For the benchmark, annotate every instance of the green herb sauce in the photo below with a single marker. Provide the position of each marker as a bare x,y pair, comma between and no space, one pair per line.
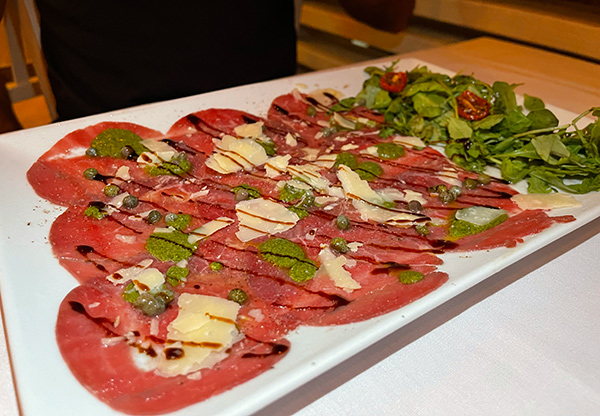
177,166
179,222
287,255
216,266
176,275
95,212
347,159
170,246
291,194
111,141
461,228
269,147
408,277
389,150
368,171
300,212
252,191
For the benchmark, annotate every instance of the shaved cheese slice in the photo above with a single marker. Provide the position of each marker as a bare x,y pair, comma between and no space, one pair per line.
259,217
372,204
545,201
157,146
479,215
357,188
410,195
233,155
148,280
311,153
310,174
326,96
200,335
409,140
450,176
159,152
144,278
254,130
334,267
325,161
290,140
117,201
344,122
123,173
209,228
276,165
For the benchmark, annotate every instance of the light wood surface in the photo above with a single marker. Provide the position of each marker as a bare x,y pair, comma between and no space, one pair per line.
565,26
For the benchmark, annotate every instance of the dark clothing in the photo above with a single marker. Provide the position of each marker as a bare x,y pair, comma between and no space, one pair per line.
118,53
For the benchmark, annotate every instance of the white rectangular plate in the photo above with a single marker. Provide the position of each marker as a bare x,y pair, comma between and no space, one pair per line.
33,284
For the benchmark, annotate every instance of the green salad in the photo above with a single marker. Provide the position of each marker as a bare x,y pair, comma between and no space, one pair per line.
483,125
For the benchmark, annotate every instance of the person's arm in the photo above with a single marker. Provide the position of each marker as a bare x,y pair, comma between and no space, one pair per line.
388,15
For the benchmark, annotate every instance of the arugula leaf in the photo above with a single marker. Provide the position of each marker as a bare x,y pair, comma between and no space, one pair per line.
541,119
428,105
459,128
505,99
517,122
550,145
533,103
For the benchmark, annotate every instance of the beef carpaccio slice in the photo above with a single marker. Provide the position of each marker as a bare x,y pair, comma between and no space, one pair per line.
58,174
98,334
99,330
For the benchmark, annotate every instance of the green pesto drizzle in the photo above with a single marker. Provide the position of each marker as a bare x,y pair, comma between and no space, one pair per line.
167,246
111,141
287,255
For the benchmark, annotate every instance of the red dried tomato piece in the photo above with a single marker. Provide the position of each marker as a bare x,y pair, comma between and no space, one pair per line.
393,81
472,107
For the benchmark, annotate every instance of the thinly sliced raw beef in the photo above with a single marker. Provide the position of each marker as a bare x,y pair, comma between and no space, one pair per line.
98,332
512,231
95,325
58,174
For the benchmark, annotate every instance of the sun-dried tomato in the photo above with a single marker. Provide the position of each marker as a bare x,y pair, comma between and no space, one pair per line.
393,81
472,107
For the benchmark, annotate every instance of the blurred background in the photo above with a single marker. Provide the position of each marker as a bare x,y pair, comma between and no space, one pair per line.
328,38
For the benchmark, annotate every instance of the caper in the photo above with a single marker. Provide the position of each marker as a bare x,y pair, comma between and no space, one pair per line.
342,222
238,296
242,195
484,179
170,217
441,188
422,229
470,183
166,295
415,206
446,197
215,266
153,217
455,191
307,201
127,151
311,111
90,173
339,244
150,305
130,201
91,152
111,190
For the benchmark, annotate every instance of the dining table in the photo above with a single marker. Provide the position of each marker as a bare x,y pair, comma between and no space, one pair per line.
523,341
